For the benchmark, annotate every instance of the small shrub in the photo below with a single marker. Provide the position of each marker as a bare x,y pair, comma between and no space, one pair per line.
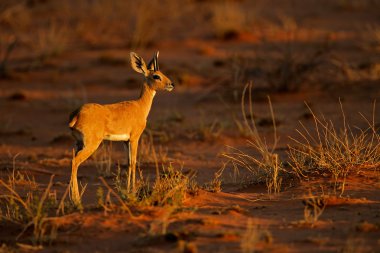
170,189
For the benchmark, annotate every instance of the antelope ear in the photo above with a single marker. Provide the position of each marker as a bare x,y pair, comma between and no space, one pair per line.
138,64
153,64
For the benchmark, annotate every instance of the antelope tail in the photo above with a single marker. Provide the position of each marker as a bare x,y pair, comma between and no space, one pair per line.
74,117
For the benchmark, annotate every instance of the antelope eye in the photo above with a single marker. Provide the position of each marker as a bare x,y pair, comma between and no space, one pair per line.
156,77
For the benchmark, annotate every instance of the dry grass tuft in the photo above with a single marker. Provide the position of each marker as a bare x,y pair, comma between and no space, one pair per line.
169,189
215,185
31,211
336,152
268,166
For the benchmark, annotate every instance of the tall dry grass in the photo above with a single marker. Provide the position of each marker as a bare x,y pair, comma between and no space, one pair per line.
30,211
267,166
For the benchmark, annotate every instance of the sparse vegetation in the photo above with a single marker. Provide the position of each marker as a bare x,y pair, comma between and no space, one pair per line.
170,188
337,152
268,167
29,212
215,185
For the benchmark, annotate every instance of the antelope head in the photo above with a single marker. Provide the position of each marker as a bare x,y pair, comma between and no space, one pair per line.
155,79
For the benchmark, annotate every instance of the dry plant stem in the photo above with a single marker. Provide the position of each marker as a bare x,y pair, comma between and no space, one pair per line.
38,218
124,206
257,142
15,196
268,164
14,169
61,205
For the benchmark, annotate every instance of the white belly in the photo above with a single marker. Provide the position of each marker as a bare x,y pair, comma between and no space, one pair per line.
117,137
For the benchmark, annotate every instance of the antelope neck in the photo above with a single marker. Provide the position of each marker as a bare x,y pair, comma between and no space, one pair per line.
146,98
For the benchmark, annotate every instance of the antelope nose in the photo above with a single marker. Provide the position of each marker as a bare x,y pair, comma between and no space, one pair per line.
170,86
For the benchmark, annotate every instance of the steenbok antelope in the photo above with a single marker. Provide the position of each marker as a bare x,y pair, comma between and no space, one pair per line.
124,121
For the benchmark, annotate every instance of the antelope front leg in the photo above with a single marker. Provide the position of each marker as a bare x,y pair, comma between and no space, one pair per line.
133,156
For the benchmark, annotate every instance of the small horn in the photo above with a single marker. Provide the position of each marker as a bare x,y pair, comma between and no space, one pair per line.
155,61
